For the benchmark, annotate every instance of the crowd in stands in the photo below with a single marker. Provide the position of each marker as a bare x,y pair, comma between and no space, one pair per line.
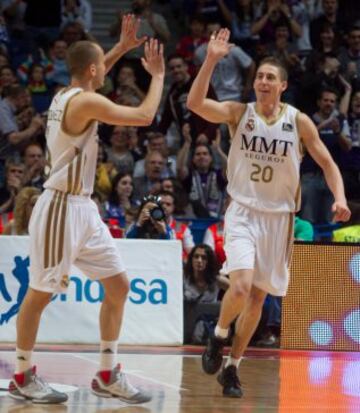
159,181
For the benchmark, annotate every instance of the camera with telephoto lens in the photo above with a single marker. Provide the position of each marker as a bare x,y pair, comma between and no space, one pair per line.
157,212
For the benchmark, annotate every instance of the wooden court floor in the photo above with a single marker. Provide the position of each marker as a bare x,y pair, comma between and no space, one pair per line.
273,381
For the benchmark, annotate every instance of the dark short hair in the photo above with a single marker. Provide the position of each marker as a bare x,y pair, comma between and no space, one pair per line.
273,61
80,55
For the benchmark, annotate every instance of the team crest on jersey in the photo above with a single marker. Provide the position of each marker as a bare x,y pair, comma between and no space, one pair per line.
64,283
250,125
287,127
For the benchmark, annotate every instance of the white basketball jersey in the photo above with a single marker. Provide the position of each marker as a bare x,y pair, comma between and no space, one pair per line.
73,158
264,162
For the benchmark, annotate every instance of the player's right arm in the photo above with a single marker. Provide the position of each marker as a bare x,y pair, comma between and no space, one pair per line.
88,106
209,109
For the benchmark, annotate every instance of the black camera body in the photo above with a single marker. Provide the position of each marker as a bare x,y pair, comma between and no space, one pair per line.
157,213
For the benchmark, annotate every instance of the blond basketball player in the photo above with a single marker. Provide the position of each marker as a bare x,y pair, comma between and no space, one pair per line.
65,226
264,185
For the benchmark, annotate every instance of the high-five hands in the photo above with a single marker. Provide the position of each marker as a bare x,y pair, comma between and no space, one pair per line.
219,45
128,36
153,61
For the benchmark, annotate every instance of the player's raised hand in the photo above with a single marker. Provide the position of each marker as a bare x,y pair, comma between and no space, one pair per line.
128,36
341,211
153,61
219,45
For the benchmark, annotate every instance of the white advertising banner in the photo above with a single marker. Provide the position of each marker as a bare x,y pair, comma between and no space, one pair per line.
154,308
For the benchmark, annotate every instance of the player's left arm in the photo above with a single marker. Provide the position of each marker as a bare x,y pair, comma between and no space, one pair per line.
318,151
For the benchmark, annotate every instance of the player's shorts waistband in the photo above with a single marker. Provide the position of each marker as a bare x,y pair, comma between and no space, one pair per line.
74,199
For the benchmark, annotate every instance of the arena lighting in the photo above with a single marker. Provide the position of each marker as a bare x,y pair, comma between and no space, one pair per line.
322,308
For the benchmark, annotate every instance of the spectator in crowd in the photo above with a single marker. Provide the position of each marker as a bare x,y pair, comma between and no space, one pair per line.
175,109
233,76
275,13
11,137
118,153
14,173
240,17
201,290
60,74
150,222
120,198
328,45
190,42
350,162
151,182
180,230
24,204
77,11
105,172
7,78
73,32
334,132
327,76
204,184
126,83
156,142
35,163
349,56
330,17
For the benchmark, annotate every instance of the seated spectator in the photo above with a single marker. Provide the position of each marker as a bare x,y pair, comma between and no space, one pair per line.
35,163
57,55
15,100
180,230
150,222
24,204
201,290
77,11
350,232
14,172
349,56
156,142
204,184
120,198
126,83
73,32
303,230
334,132
151,182
119,154
328,45
7,78
190,42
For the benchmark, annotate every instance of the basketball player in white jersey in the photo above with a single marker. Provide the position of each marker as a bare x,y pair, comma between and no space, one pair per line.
66,227
264,185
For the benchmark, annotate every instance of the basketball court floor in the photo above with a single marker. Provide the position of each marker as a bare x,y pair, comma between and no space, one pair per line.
273,381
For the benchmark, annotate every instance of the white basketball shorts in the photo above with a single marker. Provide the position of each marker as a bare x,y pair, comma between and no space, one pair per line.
67,230
261,241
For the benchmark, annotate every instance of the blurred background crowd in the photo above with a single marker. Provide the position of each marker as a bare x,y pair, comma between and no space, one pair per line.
168,180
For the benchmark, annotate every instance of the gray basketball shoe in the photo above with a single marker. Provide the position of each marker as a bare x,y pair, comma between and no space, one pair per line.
114,383
28,386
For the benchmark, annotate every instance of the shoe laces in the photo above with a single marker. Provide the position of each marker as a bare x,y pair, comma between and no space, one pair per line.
38,384
123,383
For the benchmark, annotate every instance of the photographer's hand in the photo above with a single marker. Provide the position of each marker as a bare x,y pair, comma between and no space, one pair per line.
160,226
145,214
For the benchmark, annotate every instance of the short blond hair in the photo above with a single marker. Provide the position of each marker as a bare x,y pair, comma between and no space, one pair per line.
80,55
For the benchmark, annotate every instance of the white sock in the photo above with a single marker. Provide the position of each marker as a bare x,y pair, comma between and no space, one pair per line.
23,360
231,361
108,354
221,332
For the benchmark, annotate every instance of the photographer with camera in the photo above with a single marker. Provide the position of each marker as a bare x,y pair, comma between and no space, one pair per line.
151,221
